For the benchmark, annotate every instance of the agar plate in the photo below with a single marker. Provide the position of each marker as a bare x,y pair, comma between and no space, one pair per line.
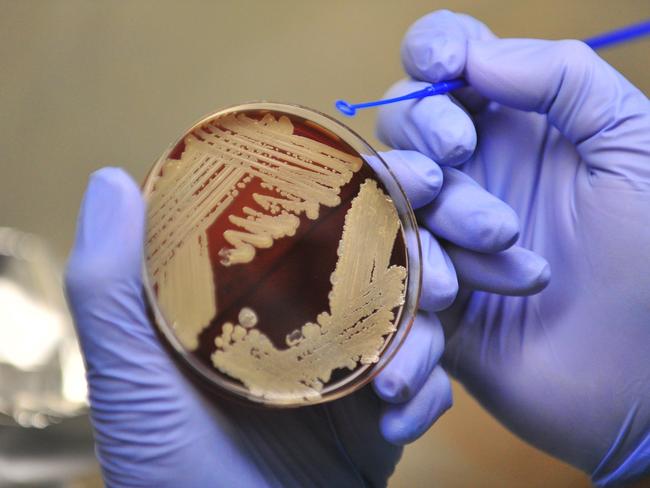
282,260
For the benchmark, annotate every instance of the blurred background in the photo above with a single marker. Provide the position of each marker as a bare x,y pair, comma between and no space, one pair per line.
86,84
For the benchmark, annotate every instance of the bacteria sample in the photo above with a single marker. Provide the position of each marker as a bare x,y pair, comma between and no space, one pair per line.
276,257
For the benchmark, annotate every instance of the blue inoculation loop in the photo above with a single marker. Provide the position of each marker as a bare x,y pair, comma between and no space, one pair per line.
350,109
617,36
607,39
345,108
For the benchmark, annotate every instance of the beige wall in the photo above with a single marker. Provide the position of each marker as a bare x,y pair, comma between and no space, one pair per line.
85,84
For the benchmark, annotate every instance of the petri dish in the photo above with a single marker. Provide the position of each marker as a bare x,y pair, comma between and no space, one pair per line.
282,259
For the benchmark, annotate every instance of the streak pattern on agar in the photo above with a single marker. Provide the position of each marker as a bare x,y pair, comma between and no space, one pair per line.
366,289
194,191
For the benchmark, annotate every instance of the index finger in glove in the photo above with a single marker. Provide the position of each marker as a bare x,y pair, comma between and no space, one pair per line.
434,126
434,49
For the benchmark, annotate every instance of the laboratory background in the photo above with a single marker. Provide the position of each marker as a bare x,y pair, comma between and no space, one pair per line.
86,84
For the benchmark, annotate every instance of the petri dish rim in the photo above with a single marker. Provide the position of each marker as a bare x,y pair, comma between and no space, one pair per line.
407,312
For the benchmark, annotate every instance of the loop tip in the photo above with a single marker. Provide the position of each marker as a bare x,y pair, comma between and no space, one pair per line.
345,108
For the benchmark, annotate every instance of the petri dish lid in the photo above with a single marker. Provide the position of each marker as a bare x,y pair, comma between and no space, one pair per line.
282,259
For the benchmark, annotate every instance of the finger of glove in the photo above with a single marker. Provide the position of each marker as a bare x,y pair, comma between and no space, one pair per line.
467,215
413,363
435,126
439,281
435,49
515,271
419,176
104,289
594,106
405,422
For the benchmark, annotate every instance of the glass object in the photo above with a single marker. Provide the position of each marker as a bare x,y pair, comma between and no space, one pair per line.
42,378
282,257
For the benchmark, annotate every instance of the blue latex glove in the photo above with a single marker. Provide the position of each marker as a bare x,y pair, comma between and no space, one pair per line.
153,428
564,139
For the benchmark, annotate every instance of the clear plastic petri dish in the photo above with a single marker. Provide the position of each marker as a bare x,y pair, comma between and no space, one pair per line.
282,258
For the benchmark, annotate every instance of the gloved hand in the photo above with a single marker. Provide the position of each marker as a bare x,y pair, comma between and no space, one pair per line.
153,428
564,139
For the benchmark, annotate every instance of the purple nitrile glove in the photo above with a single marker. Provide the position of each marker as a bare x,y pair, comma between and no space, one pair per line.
564,139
